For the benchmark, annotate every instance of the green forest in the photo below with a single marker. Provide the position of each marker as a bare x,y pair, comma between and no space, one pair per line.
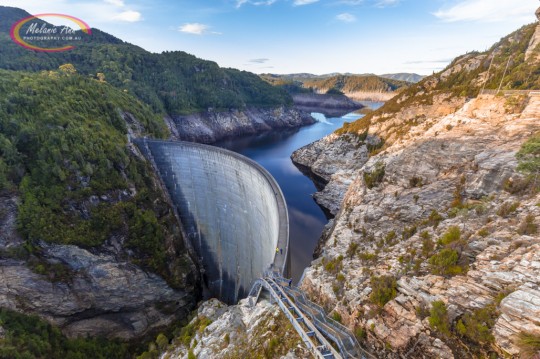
63,141
28,337
335,84
354,83
171,82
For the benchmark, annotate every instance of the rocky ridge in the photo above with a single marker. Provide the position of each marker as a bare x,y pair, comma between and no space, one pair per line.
447,162
473,152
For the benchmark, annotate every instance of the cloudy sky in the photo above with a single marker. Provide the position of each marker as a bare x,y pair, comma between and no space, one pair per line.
316,36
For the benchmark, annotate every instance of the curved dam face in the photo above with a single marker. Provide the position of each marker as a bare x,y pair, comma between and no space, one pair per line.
231,208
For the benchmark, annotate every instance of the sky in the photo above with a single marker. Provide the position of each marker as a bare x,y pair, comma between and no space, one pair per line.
296,36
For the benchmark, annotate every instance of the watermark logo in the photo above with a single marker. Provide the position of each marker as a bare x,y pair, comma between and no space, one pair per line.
27,31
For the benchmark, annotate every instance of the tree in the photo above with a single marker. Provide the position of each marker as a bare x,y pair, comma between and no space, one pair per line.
383,290
438,318
68,69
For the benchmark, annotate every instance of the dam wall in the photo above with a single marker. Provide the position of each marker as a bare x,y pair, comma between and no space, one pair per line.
231,208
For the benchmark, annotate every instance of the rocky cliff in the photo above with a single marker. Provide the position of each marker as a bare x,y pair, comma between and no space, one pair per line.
90,292
211,126
434,250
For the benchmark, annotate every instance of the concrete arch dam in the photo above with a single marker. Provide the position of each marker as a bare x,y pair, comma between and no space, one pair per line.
232,211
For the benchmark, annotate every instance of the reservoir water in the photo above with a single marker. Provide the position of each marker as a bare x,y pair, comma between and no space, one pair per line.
273,150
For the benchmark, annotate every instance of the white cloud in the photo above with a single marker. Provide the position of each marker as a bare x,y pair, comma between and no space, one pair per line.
488,10
346,17
128,16
259,61
350,2
386,3
119,3
239,3
304,2
196,28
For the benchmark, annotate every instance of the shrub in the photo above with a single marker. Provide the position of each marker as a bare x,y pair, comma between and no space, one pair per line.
529,159
507,208
528,227
375,177
162,341
337,317
353,248
365,256
427,246
445,263
483,232
334,91
390,236
434,218
528,344
477,326
334,265
360,333
438,317
383,290
452,234
416,182
408,232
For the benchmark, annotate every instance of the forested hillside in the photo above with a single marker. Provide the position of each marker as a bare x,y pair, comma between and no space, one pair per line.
350,85
354,83
63,150
171,82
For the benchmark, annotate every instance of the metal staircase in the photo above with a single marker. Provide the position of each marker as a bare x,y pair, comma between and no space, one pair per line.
309,320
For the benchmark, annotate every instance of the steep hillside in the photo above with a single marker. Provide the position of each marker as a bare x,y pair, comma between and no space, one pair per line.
402,76
356,87
88,240
171,82
434,251
351,84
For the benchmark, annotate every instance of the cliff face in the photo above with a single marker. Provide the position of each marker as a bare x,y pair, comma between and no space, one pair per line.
95,292
472,152
439,213
212,126
98,292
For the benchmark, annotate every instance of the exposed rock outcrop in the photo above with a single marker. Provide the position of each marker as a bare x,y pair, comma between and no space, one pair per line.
238,331
211,126
468,155
533,52
103,296
331,166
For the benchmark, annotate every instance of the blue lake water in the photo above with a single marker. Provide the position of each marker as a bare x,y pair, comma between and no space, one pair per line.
273,150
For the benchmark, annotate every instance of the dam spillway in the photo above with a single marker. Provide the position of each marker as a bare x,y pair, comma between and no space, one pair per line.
232,211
